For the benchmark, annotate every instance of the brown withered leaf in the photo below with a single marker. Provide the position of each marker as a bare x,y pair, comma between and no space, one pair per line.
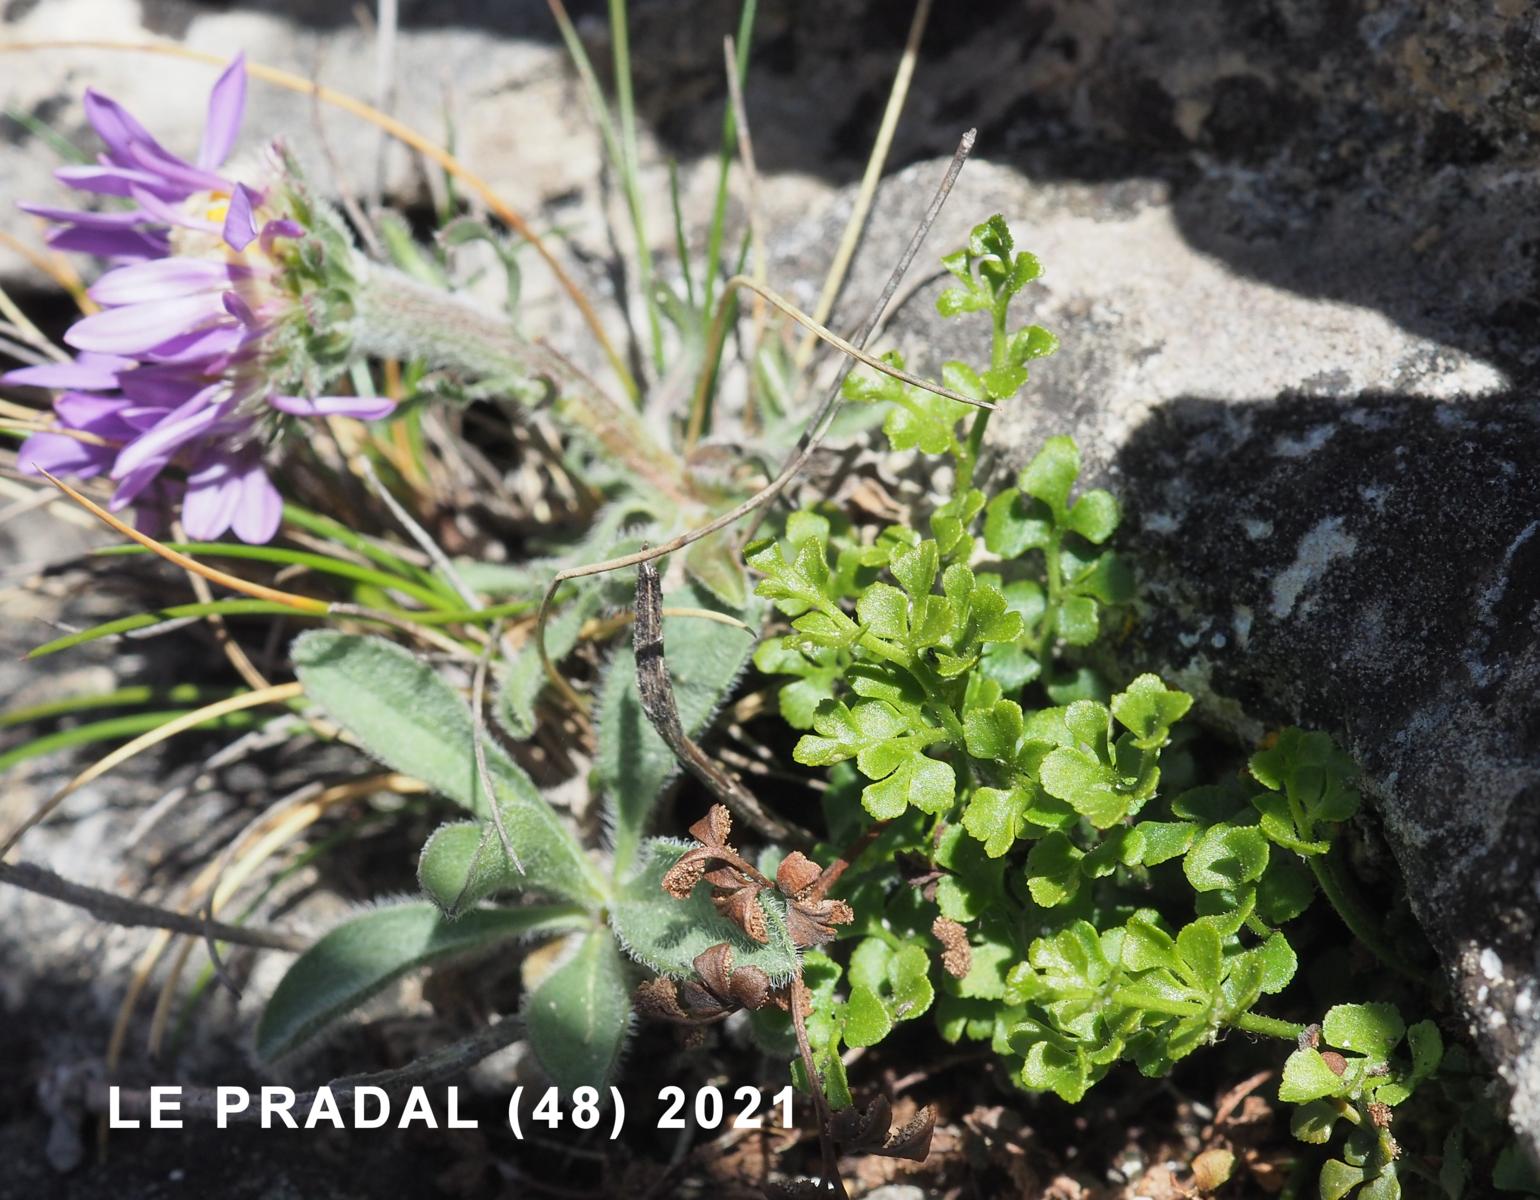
718,990
713,828
1212,1169
796,875
868,1131
746,986
658,1000
811,923
741,907
862,1128
913,1140
702,1003
810,918
680,879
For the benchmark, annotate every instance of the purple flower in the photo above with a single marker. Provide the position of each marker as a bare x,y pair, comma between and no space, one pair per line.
174,369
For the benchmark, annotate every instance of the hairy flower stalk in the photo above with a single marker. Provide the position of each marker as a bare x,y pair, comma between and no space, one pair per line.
397,316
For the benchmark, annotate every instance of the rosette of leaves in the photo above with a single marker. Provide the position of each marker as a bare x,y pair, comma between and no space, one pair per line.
511,845
1364,1063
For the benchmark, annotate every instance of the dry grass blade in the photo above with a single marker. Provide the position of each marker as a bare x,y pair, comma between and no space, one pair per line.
751,174
397,129
878,158
857,352
256,590
56,267
233,582
237,657
26,330
279,694
212,882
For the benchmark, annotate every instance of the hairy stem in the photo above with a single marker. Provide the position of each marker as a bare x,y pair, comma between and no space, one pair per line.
400,317
1050,618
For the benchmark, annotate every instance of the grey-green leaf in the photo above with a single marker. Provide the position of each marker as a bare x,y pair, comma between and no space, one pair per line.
464,862
362,956
408,717
396,706
577,1017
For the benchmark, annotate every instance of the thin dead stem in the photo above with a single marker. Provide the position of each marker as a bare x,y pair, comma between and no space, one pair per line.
135,914
657,695
857,352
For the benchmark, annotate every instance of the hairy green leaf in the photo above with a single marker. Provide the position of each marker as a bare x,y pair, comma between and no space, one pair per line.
576,1018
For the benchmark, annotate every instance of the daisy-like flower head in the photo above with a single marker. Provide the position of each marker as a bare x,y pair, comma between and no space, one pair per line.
206,314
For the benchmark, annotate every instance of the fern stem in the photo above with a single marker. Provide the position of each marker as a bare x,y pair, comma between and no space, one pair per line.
1356,917
1274,1027
968,460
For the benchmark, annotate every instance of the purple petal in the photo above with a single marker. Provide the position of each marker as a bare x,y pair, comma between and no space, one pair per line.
206,349
101,415
274,230
173,172
117,219
163,279
227,103
261,507
114,125
131,485
89,372
142,327
108,243
160,386
108,180
213,497
237,307
164,213
62,455
240,220
180,426
141,418
365,408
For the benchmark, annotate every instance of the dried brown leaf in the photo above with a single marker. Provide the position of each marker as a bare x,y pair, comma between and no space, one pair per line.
658,1000
741,907
796,874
